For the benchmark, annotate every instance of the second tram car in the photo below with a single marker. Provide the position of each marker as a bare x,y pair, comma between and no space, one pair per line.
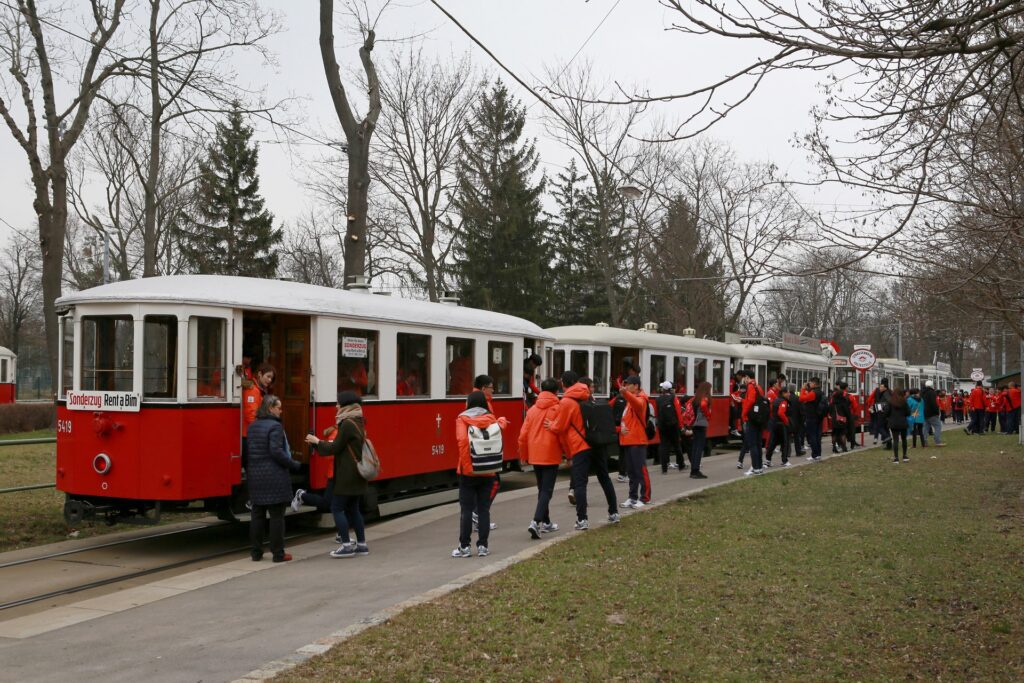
149,411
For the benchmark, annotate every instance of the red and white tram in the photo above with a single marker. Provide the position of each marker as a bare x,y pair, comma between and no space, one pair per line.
8,375
148,408
599,351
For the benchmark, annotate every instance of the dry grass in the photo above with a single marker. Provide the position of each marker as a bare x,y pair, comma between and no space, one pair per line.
854,569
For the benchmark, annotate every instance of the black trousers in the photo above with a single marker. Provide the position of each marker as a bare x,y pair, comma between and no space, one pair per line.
545,475
474,496
897,435
670,443
599,466
257,526
697,441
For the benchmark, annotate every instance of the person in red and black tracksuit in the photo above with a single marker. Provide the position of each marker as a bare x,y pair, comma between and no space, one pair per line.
1014,408
633,442
735,405
775,429
485,385
991,409
751,431
977,404
810,406
781,418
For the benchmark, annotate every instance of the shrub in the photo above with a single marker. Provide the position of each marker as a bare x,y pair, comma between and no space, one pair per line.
27,417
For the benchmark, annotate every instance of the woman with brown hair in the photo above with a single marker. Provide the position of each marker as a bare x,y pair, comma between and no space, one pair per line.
896,415
700,404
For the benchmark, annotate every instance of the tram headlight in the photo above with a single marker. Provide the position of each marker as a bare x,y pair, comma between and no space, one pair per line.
102,464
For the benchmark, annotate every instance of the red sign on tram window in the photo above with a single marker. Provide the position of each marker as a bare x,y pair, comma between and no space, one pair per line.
862,359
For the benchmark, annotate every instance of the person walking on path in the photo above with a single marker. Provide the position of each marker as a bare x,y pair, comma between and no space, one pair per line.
840,415
540,448
810,406
633,441
932,413
977,404
474,487
781,419
670,419
700,404
876,404
896,414
270,487
753,423
600,434
349,486
570,429
915,418
1015,401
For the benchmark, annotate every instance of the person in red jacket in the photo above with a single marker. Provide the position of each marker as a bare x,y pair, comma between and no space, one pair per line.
1014,426
851,426
633,441
541,447
735,405
1004,410
701,403
568,426
751,429
977,404
474,487
991,409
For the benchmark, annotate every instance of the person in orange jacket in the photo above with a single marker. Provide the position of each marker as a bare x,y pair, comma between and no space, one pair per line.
977,404
851,426
474,487
252,398
568,426
541,447
751,431
991,409
633,441
1015,400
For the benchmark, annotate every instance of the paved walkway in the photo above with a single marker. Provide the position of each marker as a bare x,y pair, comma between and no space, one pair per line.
228,622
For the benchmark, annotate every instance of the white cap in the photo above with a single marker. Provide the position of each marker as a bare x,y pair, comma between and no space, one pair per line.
928,383
666,385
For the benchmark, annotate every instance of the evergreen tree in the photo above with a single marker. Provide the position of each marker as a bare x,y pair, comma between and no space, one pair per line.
503,254
233,233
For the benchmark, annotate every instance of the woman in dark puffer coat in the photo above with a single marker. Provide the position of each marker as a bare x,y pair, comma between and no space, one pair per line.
270,487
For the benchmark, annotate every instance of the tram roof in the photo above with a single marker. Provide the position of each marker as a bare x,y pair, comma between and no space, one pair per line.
774,353
593,335
295,297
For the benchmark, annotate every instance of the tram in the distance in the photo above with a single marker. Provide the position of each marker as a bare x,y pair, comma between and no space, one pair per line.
149,411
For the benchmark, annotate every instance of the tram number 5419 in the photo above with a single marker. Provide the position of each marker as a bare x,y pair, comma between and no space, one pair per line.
437,449
64,426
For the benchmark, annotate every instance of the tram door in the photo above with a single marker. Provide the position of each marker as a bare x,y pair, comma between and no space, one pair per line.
289,335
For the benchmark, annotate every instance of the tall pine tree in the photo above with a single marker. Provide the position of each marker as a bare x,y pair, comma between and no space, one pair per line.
504,257
233,233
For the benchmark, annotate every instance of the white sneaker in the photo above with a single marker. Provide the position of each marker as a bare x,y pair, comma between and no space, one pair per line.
493,525
809,458
534,530
614,518
297,499
637,504
482,551
739,465
673,466
581,525
462,551
621,478
547,528
628,503
787,464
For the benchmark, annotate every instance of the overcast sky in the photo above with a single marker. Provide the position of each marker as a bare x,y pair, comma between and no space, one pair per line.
632,47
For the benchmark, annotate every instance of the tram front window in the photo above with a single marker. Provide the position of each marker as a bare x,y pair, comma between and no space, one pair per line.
499,366
160,356
206,357
108,348
67,358
357,361
717,377
601,373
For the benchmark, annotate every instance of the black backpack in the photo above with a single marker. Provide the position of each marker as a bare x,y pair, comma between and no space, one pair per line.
651,423
618,408
759,412
598,423
667,417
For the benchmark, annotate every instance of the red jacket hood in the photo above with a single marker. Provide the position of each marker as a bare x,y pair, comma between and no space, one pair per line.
578,392
546,399
474,419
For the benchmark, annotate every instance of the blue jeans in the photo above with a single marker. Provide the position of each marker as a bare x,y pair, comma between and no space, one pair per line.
752,441
346,512
812,426
935,424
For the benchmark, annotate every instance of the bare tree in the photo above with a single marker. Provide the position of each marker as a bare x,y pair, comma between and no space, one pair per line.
425,105
358,133
311,250
20,290
51,130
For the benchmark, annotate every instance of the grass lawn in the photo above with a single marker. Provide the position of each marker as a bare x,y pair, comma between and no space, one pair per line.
38,434
854,569
30,518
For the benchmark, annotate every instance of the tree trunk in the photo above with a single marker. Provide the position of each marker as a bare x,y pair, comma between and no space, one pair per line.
53,219
358,204
153,172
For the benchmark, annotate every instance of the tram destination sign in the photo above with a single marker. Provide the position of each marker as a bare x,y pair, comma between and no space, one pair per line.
862,359
110,401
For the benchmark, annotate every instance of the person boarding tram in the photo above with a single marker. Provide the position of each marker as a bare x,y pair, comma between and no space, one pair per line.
270,486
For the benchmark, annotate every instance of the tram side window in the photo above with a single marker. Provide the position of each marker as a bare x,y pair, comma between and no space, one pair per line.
160,356
108,348
499,366
67,355
413,377
579,362
680,366
558,364
601,372
658,372
207,355
357,361
700,371
459,356
718,377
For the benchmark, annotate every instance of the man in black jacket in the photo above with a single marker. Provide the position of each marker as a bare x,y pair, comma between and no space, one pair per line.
810,406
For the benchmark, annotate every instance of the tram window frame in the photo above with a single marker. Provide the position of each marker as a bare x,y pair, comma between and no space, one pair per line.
602,365
402,354
123,376
557,363
718,385
370,362
701,368
575,355
658,371
500,370
67,359
196,339
450,345
683,386
168,374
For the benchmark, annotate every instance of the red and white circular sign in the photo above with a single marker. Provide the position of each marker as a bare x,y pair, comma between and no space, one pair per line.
862,359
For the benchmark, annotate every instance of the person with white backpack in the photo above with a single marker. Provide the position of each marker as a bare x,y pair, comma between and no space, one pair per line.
478,433
349,483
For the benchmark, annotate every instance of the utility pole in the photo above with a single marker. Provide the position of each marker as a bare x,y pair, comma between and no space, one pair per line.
992,349
899,340
1002,346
